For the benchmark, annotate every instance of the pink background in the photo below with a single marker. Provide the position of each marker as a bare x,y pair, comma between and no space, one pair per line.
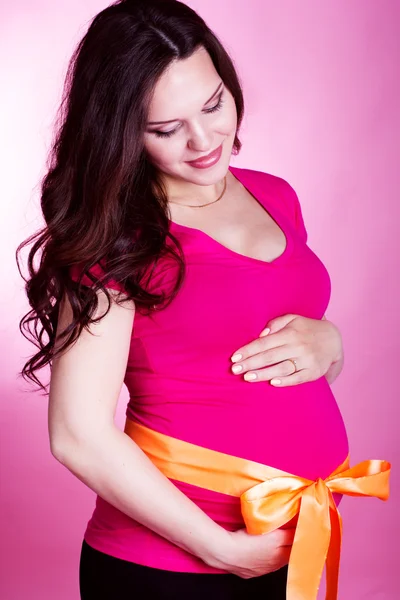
322,95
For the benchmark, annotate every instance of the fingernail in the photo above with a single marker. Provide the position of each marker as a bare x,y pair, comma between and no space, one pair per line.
237,368
264,332
236,357
249,376
276,381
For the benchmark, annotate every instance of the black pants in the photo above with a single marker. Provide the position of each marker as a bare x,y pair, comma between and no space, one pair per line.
105,577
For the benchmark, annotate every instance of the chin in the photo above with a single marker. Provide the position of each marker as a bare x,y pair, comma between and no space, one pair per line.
211,176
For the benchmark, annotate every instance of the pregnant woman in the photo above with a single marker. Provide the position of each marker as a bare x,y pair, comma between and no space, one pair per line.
190,281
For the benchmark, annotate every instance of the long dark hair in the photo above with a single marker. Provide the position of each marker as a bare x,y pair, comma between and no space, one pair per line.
102,200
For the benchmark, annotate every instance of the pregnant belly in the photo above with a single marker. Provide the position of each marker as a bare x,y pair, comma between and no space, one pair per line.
298,429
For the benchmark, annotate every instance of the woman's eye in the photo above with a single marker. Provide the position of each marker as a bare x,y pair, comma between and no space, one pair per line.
166,134
216,107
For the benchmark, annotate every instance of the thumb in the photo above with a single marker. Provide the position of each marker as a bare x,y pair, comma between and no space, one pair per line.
277,324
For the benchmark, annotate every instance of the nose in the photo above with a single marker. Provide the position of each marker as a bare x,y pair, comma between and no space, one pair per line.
200,140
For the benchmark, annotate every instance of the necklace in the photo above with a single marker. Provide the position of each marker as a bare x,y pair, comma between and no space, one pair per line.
201,205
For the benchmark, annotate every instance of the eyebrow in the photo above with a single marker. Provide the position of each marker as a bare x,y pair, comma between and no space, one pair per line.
173,120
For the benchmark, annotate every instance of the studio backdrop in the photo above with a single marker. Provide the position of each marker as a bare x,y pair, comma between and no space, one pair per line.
322,101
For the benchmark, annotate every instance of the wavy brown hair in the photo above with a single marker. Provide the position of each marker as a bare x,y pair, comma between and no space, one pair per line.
101,198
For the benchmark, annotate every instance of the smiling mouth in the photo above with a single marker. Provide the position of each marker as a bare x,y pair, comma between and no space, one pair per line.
206,158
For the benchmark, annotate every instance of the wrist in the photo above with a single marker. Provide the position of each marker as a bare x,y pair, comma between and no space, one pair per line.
334,370
219,553
338,347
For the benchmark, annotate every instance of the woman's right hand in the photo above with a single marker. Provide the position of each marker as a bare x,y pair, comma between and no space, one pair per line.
248,555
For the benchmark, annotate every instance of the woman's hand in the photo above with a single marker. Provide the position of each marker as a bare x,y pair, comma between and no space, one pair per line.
249,556
315,345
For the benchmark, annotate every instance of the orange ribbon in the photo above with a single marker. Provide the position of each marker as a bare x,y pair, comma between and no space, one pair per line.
270,498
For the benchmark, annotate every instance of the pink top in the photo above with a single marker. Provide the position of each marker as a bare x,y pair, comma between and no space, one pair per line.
180,381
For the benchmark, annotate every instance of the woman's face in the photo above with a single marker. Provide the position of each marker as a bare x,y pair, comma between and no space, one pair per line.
202,114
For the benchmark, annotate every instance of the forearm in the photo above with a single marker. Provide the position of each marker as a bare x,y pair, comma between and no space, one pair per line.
116,469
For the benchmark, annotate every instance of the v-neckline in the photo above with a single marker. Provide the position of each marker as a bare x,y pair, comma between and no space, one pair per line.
238,174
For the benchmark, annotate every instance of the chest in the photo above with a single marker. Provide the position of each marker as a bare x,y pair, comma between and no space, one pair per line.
239,222
226,300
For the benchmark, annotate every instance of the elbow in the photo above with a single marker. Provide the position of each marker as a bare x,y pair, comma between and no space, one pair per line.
58,449
63,444
67,446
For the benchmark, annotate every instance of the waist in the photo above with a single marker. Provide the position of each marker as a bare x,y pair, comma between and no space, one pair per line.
271,497
298,429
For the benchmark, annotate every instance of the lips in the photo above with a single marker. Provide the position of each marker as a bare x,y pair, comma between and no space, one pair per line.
205,160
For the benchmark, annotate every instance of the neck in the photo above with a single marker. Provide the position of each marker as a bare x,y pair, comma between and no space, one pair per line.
184,192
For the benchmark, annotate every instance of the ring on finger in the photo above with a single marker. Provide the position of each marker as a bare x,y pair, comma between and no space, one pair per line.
293,361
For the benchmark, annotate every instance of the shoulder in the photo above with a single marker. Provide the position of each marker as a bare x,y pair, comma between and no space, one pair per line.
270,183
97,271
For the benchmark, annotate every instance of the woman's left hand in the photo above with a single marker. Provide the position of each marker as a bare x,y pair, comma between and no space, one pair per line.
315,345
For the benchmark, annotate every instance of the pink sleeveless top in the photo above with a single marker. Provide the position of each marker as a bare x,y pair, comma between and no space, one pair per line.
180,381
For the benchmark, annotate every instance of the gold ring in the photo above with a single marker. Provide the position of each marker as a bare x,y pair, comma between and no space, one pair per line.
294,363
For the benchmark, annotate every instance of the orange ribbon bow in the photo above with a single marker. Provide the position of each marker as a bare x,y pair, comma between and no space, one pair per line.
270,498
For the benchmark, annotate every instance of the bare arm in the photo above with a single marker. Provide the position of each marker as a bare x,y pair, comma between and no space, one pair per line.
85,385
84,389
113,466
